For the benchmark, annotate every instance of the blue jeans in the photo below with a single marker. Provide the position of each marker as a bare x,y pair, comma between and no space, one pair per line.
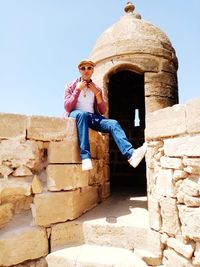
86,120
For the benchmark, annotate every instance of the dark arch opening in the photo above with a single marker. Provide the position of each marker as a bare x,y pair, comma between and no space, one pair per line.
127,105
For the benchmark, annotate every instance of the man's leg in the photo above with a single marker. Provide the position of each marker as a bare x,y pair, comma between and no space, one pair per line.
82,122
134,156
101,124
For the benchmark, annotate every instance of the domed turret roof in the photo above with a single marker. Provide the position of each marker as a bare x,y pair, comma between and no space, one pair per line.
131,35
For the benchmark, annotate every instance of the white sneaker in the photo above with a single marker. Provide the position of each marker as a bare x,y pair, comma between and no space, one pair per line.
138,155
86,164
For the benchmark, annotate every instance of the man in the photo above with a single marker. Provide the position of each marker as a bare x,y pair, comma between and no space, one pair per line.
83,100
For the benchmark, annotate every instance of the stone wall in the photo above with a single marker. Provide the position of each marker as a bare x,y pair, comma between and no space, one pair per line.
173,181
42,186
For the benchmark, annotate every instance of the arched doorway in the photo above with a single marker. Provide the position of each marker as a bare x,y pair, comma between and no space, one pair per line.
127,105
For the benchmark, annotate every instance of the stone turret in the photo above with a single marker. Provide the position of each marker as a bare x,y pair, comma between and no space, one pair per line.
137,45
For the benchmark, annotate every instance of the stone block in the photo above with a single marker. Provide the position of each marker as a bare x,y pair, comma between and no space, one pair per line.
20,242
64,152
171,163
17,192
12,126
87,199
16,154
193,115
88,255
182,146
190,218
55,207
179,174
66,177
170,218
185,250
164,184
166,122
46,128
154,213
174,259
190,186
65,234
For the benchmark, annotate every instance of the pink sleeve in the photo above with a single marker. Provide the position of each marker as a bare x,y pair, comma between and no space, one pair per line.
70,97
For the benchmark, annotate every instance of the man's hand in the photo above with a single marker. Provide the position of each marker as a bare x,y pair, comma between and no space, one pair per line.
81,84
92,87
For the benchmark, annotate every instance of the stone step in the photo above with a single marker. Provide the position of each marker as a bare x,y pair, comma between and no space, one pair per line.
120,221
21,241
94,256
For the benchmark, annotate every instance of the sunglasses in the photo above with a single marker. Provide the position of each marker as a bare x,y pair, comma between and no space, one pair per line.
86,68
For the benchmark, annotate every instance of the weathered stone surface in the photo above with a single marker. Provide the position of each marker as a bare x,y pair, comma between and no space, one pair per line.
190,186
46,128
167,66
12,125
55,207
169,213
185,250
63,234
192,116
154,103
34,263
148,257
192,165
179,174
105,190
64,152
20,242
190,218
157,89
158,123
58,207
171,163
36,185
17,192
164,77
66,177
191,201
174,259
196,258
97,256
15,154
6,213
182,146
154,213
22,171
164,185
87,199
5,171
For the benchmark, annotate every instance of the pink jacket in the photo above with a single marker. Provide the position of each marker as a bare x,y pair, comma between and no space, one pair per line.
71,96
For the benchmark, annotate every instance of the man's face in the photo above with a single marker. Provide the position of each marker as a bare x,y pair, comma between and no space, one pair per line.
86,71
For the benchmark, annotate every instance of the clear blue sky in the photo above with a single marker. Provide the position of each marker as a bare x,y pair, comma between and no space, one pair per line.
43,40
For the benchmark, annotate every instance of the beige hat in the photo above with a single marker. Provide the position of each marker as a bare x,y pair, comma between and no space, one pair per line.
86,61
